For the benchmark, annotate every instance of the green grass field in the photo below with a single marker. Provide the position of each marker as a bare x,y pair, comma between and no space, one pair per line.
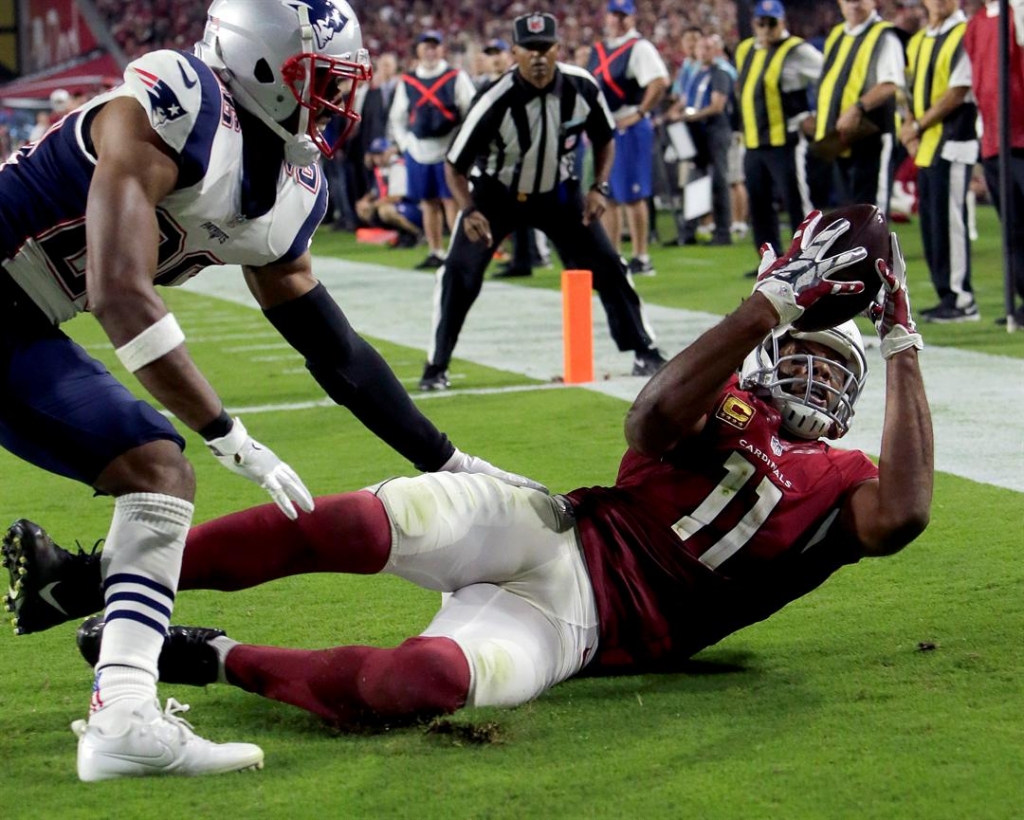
894,692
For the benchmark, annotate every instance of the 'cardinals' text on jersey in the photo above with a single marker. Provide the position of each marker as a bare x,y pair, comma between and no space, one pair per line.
210,218
723,532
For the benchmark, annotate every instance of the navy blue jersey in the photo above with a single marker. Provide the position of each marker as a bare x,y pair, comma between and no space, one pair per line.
204,221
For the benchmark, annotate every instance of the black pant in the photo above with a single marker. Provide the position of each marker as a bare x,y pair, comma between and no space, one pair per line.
991,168
771,177
942,189
560,215
865,177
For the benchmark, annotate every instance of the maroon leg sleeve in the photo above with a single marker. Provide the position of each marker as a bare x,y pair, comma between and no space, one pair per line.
345,533
352,684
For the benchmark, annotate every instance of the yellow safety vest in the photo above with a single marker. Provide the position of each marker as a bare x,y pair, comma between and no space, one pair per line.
929,63
762,102
848,62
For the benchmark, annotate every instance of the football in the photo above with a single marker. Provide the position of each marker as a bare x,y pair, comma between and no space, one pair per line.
868,228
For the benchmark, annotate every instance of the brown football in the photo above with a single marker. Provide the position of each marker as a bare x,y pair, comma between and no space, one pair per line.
868,228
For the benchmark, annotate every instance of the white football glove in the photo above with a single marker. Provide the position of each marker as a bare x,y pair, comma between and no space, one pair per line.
246,457
893,319
795,281
460,462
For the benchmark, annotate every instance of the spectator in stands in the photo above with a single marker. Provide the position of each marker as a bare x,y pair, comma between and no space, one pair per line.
707,115
739,206
634,78
386,203
939,132
855,122
691,65
497,60
428,106
982,46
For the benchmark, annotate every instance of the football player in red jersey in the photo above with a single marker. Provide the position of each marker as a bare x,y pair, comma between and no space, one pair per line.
728,505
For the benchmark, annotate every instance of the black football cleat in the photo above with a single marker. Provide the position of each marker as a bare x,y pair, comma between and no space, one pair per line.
434,378
648,362
186,657
47,585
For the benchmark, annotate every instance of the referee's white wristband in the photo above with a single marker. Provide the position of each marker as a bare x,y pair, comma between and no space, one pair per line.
157,340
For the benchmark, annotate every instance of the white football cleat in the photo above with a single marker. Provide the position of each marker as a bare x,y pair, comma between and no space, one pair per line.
157,743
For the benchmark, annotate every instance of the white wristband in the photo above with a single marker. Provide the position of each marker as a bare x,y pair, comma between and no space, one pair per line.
899,339
157,340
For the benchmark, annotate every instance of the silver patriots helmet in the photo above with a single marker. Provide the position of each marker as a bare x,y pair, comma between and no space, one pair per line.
810,408
290,63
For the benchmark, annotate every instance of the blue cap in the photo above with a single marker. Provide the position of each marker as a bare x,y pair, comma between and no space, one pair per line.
627,7
495,45
431,34
378,145
769,8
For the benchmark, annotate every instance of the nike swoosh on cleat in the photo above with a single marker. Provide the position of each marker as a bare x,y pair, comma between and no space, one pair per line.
46,593
160,761
184,77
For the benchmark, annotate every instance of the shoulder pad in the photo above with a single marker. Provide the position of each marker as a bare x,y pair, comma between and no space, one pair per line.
168,85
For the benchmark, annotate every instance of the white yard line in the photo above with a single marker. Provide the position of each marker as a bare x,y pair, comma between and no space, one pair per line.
975,397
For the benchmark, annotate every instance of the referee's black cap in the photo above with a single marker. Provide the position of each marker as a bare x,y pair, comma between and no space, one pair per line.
530,29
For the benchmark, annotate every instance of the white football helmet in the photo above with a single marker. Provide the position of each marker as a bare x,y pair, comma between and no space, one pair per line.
282,56
810,408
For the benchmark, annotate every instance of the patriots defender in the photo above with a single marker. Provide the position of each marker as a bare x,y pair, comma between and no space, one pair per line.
196,160
728,505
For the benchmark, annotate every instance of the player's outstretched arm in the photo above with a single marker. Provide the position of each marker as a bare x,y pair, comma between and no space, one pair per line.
674,404
134,171
352,373
888,514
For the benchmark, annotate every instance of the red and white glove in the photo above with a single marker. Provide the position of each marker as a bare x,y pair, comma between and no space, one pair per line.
795,281
893,320
460,462
244,456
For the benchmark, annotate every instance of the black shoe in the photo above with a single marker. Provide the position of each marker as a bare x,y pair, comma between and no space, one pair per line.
717,241
509,272
431,262
641,267
48,585
1018,319
186,657
950,314
434,378
407,240
648,362
750,274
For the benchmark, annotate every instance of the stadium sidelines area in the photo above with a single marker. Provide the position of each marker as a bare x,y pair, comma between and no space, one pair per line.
518,329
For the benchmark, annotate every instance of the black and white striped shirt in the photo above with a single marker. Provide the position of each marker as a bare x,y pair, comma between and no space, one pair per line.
524,137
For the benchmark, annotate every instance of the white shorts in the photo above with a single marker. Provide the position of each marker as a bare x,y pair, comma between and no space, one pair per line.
522,608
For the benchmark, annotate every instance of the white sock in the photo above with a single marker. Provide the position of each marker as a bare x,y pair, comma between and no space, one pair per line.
222,644
140,567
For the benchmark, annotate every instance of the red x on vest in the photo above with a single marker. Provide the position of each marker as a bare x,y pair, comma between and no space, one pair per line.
430,94
603,72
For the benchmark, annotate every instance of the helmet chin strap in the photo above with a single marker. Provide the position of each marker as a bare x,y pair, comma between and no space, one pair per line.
299,148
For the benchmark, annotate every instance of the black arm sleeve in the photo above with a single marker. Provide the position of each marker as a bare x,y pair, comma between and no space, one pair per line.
356,376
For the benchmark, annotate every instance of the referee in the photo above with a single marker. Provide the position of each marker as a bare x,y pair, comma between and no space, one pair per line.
517,145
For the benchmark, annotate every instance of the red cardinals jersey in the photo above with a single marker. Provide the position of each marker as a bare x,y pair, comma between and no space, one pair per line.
734,524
